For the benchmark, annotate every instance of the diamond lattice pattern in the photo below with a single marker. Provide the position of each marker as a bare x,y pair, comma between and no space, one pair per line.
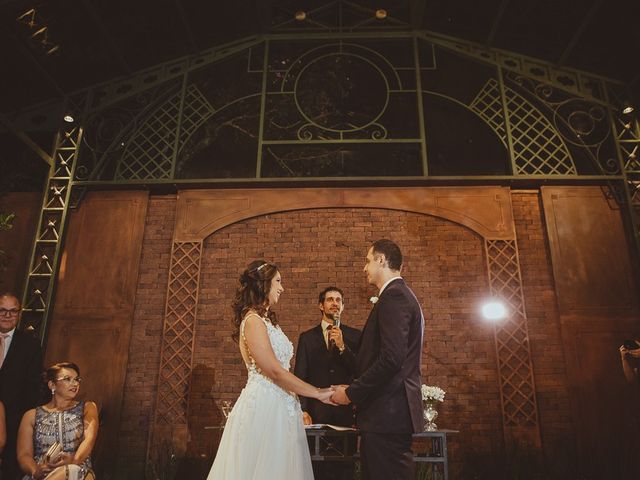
512,338
538,149
179,333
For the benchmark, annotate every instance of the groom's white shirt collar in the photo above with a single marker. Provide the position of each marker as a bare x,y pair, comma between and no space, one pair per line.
387,283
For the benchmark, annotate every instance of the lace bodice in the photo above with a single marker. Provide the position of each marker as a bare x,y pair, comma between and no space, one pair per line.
283,350
281,345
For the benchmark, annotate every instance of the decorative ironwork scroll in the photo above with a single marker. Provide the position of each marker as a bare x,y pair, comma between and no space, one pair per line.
515,368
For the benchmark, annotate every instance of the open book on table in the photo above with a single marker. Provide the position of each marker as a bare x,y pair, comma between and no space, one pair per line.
328,425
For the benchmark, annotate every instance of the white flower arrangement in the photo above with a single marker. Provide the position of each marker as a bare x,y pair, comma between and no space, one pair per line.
374,299
432,394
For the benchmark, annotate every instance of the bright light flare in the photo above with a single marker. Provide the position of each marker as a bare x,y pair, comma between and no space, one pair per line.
494,310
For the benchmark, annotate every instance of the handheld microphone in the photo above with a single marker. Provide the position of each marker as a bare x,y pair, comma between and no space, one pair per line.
336,323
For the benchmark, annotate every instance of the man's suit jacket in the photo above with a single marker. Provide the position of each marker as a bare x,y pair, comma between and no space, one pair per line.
20,380
387,390
320,367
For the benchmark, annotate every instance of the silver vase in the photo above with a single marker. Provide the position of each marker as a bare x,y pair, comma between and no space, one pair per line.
430,414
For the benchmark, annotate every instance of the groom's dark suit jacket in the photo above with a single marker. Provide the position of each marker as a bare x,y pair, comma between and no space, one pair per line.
387,388
320,367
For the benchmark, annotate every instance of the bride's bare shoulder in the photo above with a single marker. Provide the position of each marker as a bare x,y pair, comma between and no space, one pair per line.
253,319
251,314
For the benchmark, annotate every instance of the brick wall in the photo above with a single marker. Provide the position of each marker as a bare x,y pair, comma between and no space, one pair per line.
445,266
146,333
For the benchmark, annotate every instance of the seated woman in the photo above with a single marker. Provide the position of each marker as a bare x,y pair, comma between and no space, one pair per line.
72,423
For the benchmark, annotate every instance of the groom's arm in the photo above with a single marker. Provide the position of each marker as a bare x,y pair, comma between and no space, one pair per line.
394,318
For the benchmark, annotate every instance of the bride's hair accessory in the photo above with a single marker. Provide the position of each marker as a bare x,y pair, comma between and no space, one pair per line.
258,268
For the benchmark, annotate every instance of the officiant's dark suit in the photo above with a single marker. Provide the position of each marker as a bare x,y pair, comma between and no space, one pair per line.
20,382
323,364
320,366
387,388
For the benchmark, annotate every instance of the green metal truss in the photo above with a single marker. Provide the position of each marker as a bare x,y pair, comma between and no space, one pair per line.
160,127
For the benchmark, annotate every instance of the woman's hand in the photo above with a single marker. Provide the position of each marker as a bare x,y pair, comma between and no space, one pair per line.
41,471
63,459
306,418
324,395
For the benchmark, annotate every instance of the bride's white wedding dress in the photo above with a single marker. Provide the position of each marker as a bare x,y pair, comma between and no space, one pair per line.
264,436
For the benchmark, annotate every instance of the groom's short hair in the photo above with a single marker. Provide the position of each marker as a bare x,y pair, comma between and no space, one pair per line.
391,252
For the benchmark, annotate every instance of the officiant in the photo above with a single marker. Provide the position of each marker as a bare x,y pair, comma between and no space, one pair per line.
326,356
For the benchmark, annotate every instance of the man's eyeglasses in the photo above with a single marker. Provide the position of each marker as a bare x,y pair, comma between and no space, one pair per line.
68,380
9,313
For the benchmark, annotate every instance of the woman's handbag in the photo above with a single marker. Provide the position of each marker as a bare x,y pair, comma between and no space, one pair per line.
54,451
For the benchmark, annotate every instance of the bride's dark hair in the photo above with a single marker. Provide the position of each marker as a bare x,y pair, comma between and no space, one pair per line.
253,293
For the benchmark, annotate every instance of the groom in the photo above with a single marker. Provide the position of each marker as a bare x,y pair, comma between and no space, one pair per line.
386,392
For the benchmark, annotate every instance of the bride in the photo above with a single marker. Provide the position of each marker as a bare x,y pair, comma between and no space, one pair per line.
264,435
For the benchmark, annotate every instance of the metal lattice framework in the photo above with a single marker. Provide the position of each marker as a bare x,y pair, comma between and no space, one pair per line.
628,140
47,245
538,149
178,333
150,152
517,388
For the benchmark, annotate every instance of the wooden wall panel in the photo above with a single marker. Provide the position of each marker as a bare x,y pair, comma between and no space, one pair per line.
598,305
94,304
604,405
99,266
100,349
485,210
590,255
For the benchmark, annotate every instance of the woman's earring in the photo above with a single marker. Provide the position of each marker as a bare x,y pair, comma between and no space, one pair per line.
53,390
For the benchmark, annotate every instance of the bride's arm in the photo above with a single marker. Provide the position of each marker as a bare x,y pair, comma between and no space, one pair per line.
255,331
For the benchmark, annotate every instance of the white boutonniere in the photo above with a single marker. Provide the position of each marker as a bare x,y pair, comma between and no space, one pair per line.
374,299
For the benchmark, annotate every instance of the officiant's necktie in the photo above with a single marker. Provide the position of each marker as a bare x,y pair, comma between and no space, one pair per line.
3,340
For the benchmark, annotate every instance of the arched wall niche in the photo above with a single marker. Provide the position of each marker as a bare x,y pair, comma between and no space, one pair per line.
487,211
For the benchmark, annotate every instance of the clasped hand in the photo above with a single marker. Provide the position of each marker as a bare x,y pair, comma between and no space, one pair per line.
44,468
334,395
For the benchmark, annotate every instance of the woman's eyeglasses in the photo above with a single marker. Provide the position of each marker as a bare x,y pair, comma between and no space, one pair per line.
68,380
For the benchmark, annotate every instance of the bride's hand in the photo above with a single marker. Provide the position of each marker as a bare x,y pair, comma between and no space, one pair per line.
324,395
